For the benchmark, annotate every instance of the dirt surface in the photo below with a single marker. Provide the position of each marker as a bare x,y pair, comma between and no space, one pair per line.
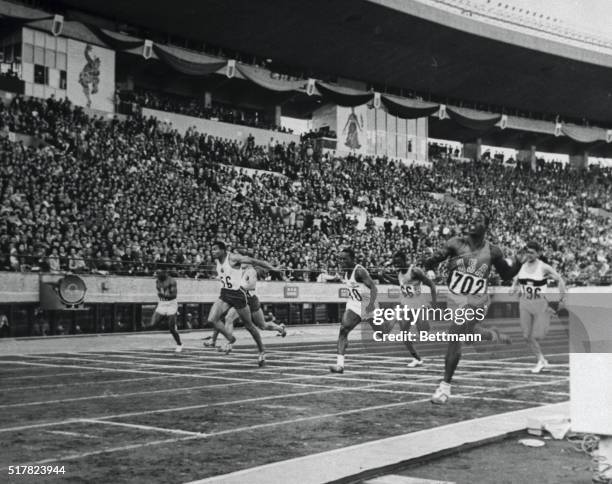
143,414
509,462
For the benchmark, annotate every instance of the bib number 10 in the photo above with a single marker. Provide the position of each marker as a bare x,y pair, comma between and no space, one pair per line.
354,295
462,283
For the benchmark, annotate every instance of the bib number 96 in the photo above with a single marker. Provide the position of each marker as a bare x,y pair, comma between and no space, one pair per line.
532,292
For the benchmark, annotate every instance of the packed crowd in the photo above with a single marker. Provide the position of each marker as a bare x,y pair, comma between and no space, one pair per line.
131,196
198,109
9,74
323,132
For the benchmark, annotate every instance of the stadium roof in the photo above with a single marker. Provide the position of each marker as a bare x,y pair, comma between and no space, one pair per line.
400,43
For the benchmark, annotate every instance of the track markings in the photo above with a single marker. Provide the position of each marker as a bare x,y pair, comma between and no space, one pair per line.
378,374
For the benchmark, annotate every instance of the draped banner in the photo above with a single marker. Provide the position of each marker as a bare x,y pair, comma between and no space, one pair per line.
310,87
112,41
147,49
583,134
473,119
442,112
263,78
344,96
503,124
191,68
10,23
408,108
58,25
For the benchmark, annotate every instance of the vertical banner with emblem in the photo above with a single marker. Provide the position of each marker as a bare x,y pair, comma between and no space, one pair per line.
352,129
91,76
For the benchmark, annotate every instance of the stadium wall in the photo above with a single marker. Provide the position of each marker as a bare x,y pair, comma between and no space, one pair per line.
181,123
119,304
24,288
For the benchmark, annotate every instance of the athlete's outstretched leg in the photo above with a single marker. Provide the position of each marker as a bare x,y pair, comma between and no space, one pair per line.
213,339
217,311
349,321
245,316
416,359
260,322
451,361
230,318
537,330
492,334
155,319
174,331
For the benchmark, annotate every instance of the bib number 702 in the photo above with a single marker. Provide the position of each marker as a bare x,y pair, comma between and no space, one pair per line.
462,283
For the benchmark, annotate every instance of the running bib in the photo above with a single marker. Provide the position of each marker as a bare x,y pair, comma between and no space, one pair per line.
408,290
354,294
462,283
531,292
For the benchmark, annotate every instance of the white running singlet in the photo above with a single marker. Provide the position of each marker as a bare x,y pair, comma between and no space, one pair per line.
229,276
359,295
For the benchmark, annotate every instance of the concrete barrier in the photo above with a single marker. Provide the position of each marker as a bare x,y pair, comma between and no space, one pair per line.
24,288
237,132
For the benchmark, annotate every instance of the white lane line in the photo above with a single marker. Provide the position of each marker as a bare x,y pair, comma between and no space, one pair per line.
202,366
241,380
223,361
222,432
72,434
150,371
375,383
285,407
189,407
434,374
54,375
504,400
113,449
413,381
254,427
122,395
98,382
143,427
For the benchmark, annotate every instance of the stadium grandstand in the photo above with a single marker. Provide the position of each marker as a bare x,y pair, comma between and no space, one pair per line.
138,140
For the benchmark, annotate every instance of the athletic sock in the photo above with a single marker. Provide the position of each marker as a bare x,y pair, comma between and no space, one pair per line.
445,387
340,360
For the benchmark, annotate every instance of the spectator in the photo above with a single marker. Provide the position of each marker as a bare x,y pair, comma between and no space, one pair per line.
130,196
5,329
